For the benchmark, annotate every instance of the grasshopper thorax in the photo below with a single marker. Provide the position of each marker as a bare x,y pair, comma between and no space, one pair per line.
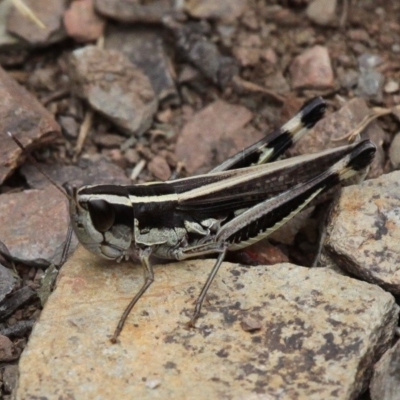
101,223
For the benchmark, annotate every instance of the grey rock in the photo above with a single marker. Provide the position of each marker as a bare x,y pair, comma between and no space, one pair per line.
49,12
370,84
320,329
363,231
7,281
133,11
114,87
193,44
10,377
12,303
87,172
385,383
145,49
7,41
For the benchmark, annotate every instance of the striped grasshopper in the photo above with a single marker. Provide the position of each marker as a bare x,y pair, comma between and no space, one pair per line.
238,203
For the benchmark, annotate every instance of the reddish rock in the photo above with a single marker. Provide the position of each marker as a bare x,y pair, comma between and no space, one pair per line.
7,349
312,69
214,134
82,23
23,115
159,167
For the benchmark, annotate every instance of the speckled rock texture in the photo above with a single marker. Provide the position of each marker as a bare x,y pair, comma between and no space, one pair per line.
318,334
363,234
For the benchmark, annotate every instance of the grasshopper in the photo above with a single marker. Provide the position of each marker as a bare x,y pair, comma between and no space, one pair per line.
238,203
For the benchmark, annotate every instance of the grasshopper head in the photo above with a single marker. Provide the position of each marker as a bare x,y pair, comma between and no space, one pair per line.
102,223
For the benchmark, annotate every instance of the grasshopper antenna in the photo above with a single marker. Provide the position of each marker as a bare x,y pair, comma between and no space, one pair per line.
38,167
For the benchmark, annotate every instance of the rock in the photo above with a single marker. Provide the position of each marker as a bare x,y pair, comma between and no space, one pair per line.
385,383
363,231
88,172
225,10
264,253
16,300
312,70
19,329
10,378
133,11
23,115
322,12
7,41
320,329
214,134
70,126
247,56
82,23
7,281
8,352
193,45
108,140
34,225
159,167
145,49
391,87
49,12
336,125
394,151
114,87
370,82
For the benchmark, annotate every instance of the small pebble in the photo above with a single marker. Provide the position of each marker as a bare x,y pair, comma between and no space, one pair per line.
391,87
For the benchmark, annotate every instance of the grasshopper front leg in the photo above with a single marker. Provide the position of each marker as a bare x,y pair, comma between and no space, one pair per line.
144,256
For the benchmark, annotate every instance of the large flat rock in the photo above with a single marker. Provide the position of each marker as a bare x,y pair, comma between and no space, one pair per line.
319,334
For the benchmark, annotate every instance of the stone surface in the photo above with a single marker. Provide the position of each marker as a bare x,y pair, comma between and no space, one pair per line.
10,377
49,12
394,151
7,41
318,328
114,87
134,11
34,225
322,12
87,172
82,23
225,10
145,49
159,167
22,114
217,130
7,281
328,131
8,351
196,47
312,69
385,383
363,233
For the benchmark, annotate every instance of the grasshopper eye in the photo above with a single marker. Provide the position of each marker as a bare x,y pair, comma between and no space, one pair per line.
102,214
